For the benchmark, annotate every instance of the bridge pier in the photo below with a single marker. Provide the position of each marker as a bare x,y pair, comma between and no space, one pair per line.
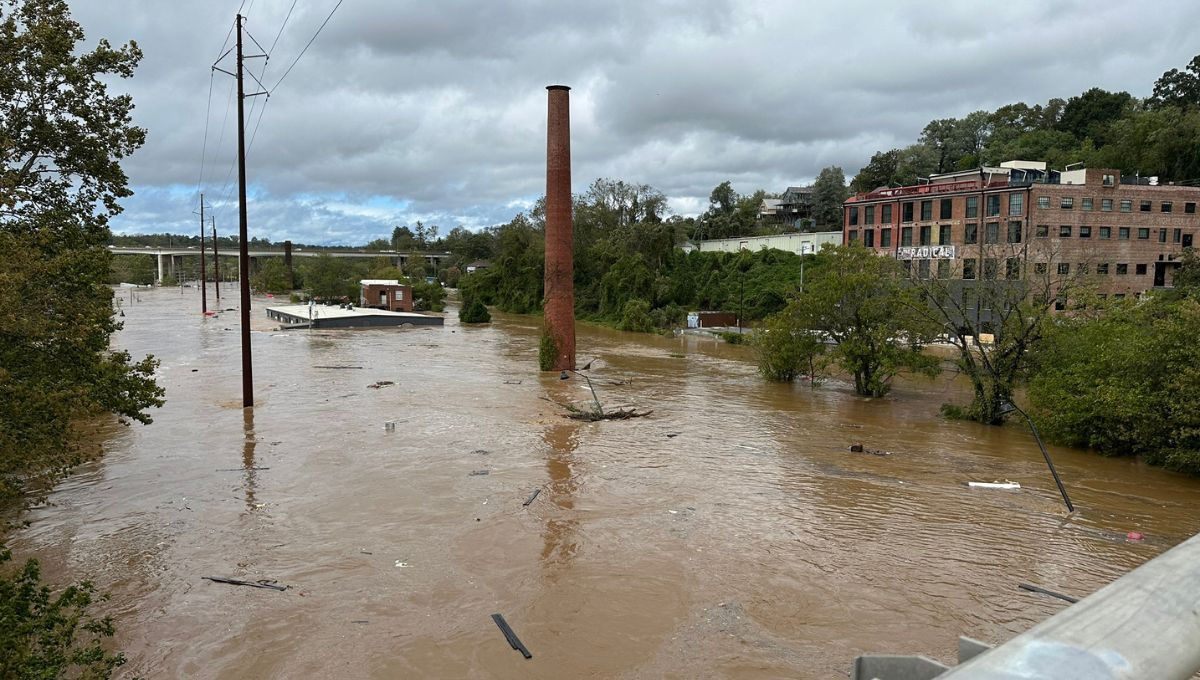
159,280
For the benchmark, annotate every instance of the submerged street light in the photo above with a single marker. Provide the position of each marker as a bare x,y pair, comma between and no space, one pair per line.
1007,407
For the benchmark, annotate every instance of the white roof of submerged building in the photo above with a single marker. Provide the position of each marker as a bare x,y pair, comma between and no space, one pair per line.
379,282
335,312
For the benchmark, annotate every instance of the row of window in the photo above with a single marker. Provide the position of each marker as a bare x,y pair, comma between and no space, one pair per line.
945,209
1016,207
1123,233
1106,205
1012,268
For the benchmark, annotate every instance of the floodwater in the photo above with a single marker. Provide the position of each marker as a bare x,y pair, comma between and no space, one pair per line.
729,534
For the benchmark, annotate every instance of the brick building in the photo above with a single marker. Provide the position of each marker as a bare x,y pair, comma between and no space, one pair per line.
387,294
1018,219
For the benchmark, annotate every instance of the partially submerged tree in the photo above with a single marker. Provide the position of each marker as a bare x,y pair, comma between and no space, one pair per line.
859,302
787,350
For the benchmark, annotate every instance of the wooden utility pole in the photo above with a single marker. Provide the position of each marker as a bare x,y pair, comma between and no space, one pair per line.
216,262
243,240
203,279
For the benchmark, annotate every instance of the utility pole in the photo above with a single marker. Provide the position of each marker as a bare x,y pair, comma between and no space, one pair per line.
243,239
203,281
216,262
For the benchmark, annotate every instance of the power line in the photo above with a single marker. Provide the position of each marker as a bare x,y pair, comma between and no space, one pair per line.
204,145
281,27
310,42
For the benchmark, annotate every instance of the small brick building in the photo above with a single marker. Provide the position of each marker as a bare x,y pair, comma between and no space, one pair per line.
387,294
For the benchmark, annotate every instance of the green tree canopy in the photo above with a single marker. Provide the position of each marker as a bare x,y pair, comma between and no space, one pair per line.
829,192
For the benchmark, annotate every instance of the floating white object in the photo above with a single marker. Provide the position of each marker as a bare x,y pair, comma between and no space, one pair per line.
994,485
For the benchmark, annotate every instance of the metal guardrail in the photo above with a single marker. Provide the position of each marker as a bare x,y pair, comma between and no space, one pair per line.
1143,626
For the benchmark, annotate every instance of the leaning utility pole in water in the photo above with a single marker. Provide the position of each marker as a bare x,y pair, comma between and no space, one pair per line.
243,240
558,333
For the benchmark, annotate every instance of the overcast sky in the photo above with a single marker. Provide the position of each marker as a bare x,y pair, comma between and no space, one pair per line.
436,111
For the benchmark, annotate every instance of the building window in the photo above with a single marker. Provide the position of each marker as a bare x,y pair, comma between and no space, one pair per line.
1067,203
991,268
971,233
1166,206
925,231
906,235
1141,270
1014,231
399,295
943,269
1064,268
1162,235
869,215
887,215
1118,296
944,236
1085,232
1105,232
1040,268
992,233
1087,203
926,211
1109,180
1123,234
1106,205
1043,202
1144,206
993,205
1102,269
853,216
869,238
1122,269
973,206
923,269
946,210
1016,204
906,212
1189,208
853,235
1012,269
969,265
1064,231
1126,205
1143,233
885,238
1177,235
1042,231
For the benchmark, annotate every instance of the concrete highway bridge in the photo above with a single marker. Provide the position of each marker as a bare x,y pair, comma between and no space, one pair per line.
170,259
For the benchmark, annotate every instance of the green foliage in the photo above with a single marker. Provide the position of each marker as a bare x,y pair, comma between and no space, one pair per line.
514,281
271,277
168,281
428,297
136,269
60,182
474,311
330,277
829,192
859,301
547,352
786,349
45,635
1180,89
734,338
1124,382
635,316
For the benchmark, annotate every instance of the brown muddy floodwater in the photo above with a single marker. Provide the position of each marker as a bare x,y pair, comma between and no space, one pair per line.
730,534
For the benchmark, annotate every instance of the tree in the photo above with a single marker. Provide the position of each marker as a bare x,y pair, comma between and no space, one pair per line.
272,277
829,192
1089,115
474,311
1009,293
879,172
1178,88
858,301
1124,382
403,239
786,349
329,277
62,137
49,635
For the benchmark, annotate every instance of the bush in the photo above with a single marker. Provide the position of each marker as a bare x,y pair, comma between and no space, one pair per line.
474,311
547,352
735,338
635,316
50,636
787,350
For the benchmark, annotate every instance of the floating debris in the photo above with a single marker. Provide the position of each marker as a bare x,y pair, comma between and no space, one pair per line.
994,485
478,473
381,383
268,584
1051,593
531,497
337,367
509,635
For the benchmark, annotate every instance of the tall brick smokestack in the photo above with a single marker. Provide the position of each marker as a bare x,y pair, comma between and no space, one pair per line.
559,306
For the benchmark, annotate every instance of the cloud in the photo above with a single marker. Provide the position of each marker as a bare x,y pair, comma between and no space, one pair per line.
404,110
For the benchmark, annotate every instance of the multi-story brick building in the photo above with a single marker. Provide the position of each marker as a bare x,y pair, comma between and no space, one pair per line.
1018,219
